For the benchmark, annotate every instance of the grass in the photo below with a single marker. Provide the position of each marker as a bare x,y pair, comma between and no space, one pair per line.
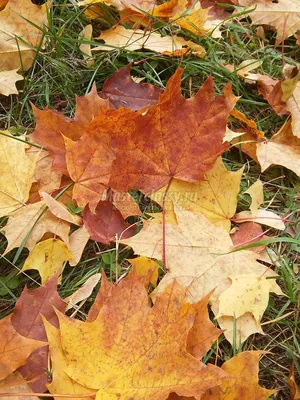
59,74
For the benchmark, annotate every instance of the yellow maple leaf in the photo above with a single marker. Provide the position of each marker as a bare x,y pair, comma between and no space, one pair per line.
8,81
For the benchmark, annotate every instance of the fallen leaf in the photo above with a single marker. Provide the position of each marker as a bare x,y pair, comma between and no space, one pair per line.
47,257
27,221
294,388
27,321
15,383
129,39
106,223
17,171
248,233
284,16
61,383
86,35
123,91
247,293
203,333
52,127
20,19
138,338
14,348
78,241
8,81
244,368
282,149
102,296
84,291
60,210
150,158
124,203
144,5
263,217
256,191
197,256
215,197
47,178
142,265
293,99
244,67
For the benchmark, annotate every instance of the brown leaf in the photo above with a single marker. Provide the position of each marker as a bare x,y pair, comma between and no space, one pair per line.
27,321
247,233
294,388
106,223
123,91
14,348
15,383
102,295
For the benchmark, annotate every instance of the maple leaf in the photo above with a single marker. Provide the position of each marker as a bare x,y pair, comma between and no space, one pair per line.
282,149
151,157
293,103
14,348
148,346
86,35
102,295
130,39
47,257
17,170
215,197
51,126
206,248
263,217
284,16
8,81
105,223
294,388
26,319
123,91
61,382
27,221
244,368
144,5
20,19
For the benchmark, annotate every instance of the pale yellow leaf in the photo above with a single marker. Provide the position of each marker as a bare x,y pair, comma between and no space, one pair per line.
136,5
84,291
256,191
86,35
60,210
263,217
130,39
47,257
215,197
78,241
8,81
16,173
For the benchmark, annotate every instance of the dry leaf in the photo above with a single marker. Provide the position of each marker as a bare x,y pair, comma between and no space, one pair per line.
8,81
256,191
17,171
142,265
245,67
20,19
284,16
263,217
244,368
294,388
130,39
28,221
86,35
14,348
147,344
60,210
123,91
47,257
215,197
84,291
78,241
197,255
144,5
15,383
248,233
26,319
61,383
282,149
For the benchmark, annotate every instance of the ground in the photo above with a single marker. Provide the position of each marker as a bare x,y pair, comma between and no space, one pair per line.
59,74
